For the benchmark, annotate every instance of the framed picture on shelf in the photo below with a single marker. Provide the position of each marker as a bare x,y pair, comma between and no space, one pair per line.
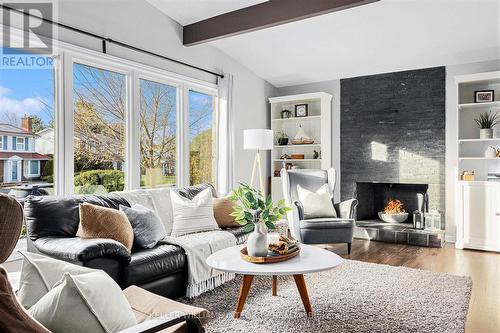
484,96
301,110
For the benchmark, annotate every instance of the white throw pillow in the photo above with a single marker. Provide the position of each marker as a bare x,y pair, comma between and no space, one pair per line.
90,302
316,204
195,215
39,274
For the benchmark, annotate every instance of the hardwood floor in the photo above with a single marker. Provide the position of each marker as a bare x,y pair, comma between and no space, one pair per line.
483,267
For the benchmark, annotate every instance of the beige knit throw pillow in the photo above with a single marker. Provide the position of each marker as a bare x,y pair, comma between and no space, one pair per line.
103,222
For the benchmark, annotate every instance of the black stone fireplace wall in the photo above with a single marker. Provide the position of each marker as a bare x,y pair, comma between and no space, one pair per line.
393,131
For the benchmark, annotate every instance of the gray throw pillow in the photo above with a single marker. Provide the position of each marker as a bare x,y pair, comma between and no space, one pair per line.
147,226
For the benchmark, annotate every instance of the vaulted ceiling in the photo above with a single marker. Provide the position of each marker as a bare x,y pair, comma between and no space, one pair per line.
385,36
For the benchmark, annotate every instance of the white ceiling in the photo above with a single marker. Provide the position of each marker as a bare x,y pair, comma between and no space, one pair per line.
189,11
386,36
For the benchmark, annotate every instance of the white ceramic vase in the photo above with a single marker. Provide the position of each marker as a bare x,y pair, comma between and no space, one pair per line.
486,133
490,152
257,243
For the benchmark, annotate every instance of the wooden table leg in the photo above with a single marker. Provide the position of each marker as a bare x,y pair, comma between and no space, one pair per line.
275,285
301,286
245,288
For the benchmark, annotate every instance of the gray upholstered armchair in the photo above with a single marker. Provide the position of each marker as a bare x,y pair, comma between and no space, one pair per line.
326,230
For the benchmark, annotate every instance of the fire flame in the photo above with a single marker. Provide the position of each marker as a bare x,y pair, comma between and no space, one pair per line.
394,207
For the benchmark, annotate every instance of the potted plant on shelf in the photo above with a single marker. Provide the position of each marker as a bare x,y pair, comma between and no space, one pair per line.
485,122
256,213
282,138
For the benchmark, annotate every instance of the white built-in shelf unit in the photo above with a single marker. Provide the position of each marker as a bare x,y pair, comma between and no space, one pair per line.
470,147
317,125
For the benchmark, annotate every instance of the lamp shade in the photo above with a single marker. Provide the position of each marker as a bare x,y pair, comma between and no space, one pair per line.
258,139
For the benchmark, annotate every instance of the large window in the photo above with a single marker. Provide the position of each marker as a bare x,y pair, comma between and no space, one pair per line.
201,137
27,118
99,108
112,124
158,118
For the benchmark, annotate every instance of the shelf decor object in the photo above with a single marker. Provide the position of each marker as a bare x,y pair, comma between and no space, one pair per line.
486,121
477,193
484,96
309,132
301,138
258,139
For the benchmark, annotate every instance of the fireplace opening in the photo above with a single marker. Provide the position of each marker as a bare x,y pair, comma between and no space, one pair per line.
373,197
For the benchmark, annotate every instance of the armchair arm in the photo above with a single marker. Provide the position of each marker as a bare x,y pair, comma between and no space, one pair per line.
79,249
300,209
346,209
160,323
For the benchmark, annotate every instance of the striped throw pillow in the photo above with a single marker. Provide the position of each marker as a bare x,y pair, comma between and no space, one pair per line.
194,215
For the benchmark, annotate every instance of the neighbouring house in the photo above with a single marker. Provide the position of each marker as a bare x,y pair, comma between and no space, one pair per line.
98,147
19,159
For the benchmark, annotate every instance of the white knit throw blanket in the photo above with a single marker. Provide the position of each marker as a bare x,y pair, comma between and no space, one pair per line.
198,248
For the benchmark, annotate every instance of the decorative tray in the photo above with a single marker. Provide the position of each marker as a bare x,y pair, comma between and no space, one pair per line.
275,253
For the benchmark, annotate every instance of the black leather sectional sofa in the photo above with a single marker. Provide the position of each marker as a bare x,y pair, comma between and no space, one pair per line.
52,223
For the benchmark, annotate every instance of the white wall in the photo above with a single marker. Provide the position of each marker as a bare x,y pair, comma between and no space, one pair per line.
138,23
332,87
452,135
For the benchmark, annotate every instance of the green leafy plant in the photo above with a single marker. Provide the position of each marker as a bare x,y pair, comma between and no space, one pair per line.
252,207
487,120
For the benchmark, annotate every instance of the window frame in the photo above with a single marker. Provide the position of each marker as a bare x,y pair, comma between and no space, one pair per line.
134,72
64,57
149,76
215,115
27,168
22,143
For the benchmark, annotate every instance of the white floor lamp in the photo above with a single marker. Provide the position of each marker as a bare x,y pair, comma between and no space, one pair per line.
258,139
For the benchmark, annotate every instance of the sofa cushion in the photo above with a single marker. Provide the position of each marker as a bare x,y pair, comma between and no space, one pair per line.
317,204
223,207
90,302
191,216
239,233
326,223
157,199
189,192
147,305
103,222
150,264
49,216
40,273
147,226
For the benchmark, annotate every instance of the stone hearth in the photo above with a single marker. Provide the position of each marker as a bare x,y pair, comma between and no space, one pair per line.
400,233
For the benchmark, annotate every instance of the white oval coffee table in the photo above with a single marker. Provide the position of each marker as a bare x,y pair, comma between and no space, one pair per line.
311,259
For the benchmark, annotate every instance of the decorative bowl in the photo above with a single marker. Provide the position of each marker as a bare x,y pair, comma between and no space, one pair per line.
393,218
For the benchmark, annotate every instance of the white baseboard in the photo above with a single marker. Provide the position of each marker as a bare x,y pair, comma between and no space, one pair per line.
450,238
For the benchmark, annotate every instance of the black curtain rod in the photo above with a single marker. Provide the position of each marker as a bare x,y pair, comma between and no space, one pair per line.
109,40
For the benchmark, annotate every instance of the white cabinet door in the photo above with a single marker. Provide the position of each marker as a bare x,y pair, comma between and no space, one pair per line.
481,214
492,240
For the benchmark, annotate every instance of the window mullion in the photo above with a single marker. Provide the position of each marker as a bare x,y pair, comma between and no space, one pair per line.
182,132
132,137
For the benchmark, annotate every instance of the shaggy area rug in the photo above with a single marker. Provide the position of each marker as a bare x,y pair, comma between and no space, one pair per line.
353,297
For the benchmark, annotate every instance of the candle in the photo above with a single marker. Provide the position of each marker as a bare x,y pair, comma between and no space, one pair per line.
273,238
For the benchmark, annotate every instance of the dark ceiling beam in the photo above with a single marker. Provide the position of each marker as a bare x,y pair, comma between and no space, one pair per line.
260,16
